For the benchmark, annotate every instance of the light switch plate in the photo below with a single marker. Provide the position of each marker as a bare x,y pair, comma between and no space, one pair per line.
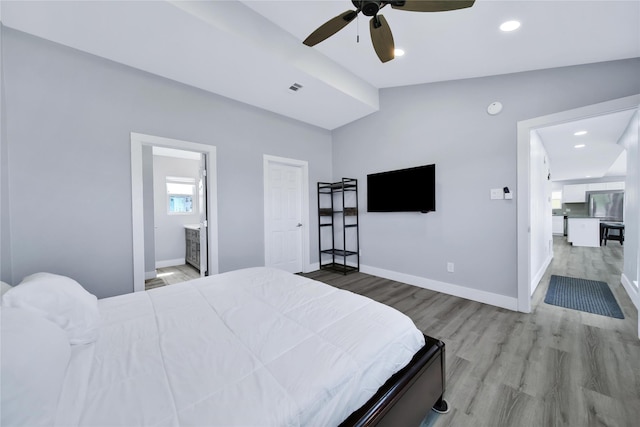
497,194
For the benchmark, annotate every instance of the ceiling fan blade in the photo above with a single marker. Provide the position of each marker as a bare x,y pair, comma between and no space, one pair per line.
381,38
432,5
330,27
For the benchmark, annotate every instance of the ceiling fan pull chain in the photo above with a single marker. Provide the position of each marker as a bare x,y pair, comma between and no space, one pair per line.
358,28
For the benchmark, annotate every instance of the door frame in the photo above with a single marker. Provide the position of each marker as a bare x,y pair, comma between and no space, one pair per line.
204,213
523,202
304,169
138,140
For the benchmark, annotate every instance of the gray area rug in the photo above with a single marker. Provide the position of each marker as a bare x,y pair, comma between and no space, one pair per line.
584,295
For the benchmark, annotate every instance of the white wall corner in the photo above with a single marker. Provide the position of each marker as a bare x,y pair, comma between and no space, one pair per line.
535,281
502,301
632,290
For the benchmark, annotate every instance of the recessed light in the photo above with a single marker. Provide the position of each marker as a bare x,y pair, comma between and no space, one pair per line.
398,52
580,133
579,146
510,26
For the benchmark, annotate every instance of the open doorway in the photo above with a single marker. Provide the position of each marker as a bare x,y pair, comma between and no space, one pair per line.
175,213
578,170
176,224
526,200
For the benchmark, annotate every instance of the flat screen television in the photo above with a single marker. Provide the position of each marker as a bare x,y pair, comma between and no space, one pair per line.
403,190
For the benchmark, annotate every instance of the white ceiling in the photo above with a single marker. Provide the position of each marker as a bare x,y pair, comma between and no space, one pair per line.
601,155
468,43
252,51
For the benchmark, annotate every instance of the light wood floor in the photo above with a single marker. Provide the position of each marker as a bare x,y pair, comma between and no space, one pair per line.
552,367
170,275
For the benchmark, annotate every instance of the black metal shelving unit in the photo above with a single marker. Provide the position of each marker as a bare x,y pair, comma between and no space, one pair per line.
338,217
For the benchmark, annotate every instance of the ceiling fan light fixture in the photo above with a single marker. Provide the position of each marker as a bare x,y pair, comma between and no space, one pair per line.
510,26
369,8
398,52
381,36
580,133
579,146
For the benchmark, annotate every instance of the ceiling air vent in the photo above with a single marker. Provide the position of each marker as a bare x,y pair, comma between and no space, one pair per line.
295,87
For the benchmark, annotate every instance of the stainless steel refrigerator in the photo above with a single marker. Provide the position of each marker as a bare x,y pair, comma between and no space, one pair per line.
606,205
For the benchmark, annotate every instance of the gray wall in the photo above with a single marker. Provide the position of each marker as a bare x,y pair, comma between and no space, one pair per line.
70,115
447,124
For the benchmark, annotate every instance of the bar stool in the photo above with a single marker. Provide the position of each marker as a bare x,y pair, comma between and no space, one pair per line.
607,235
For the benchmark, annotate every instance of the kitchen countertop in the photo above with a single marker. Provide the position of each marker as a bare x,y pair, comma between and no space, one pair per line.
601,219
582,217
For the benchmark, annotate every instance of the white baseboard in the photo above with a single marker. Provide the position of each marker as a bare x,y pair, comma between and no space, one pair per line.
312,267
538,277
632,290
150,275
170,262
510,303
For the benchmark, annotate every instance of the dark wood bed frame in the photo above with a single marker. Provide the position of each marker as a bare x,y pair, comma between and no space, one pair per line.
406,398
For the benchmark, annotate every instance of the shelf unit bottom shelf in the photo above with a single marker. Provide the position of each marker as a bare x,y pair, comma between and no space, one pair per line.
339,252
339,268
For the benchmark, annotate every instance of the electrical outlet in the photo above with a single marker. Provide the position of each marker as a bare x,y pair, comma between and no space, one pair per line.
497,194
450,267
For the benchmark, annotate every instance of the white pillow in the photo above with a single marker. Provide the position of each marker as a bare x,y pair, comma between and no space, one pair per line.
35,353
4,287
61,300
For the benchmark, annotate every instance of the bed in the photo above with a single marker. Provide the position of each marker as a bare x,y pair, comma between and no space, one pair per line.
252,347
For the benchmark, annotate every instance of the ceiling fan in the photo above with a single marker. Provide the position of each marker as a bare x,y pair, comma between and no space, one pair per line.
381,36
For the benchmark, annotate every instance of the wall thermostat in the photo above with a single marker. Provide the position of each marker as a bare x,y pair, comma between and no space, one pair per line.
494,108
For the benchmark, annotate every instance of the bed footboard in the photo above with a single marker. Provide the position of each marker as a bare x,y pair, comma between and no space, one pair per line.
406,398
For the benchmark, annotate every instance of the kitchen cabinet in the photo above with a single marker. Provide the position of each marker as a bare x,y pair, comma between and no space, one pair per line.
583,231
557,224
615,185
574,193
192,243
597,186
577,193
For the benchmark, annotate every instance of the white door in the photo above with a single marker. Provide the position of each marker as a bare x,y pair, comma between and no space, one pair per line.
283,222
202,203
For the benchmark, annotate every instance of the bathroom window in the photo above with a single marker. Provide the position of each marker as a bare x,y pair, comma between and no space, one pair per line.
181,195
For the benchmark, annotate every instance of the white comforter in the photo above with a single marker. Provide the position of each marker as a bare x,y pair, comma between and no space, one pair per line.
254,347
